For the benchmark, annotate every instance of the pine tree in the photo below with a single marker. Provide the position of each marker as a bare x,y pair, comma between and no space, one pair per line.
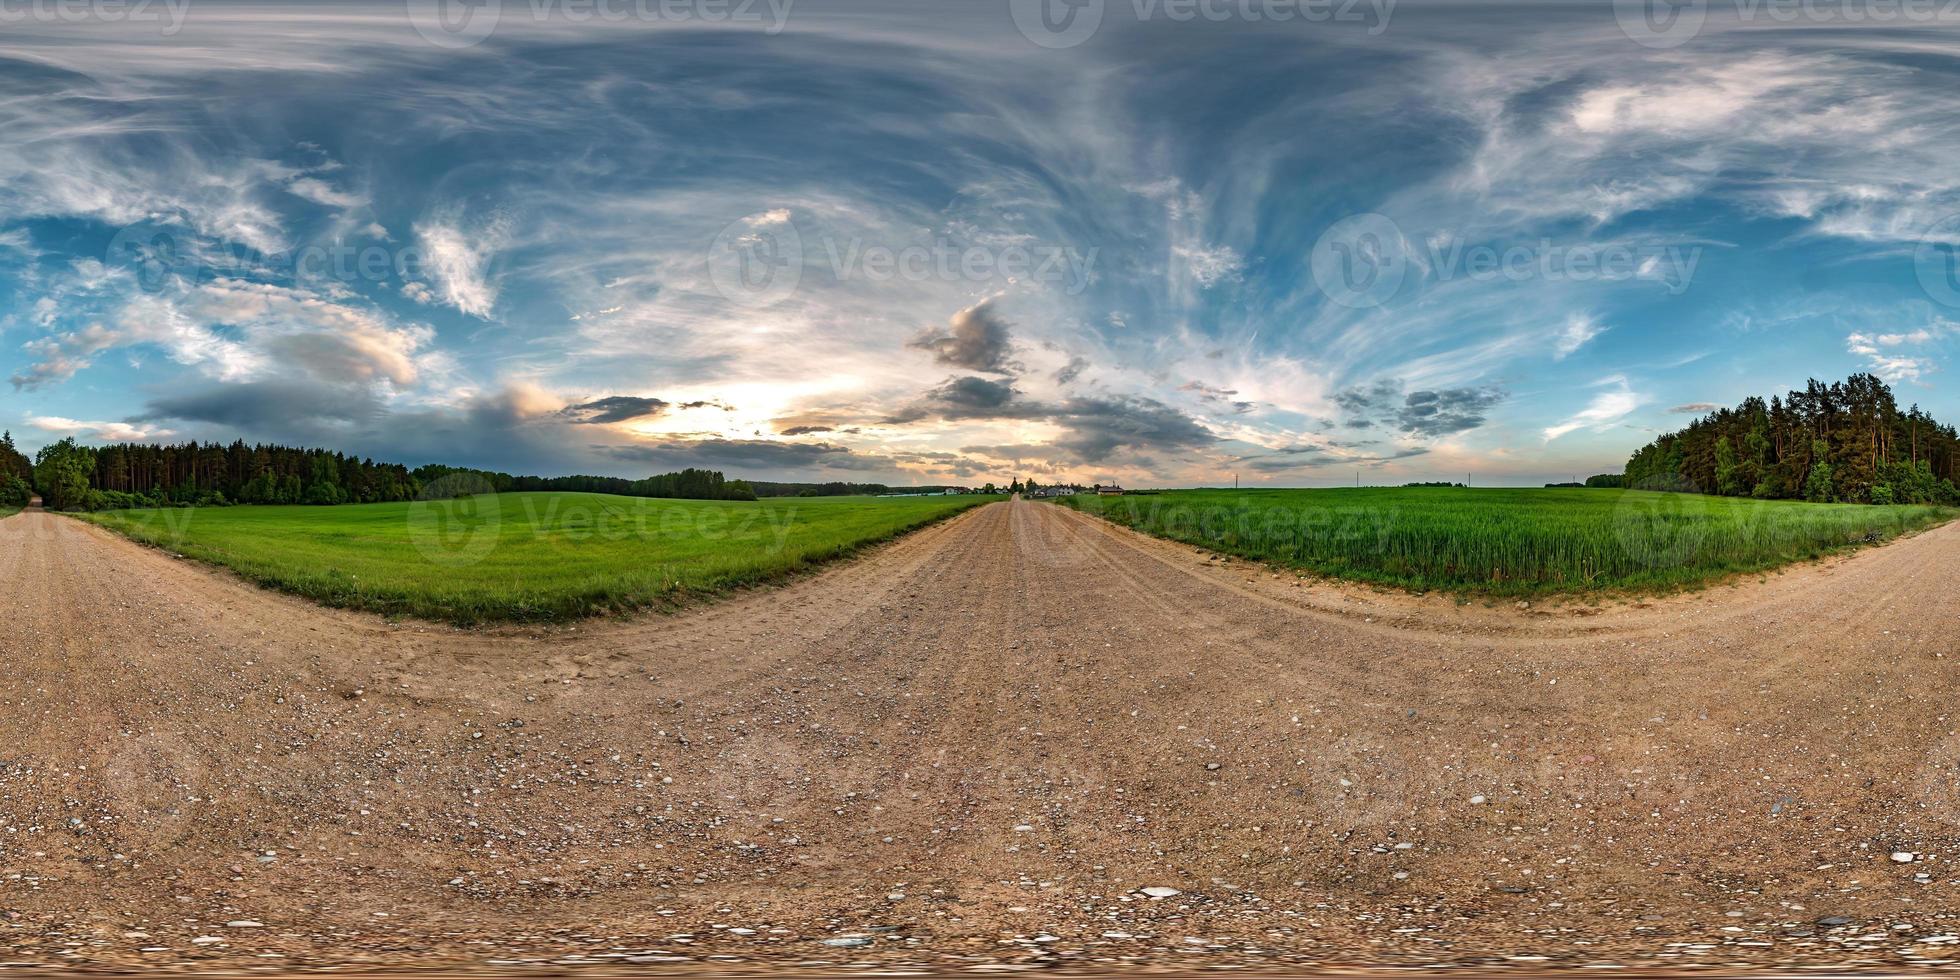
1817,487
1728,482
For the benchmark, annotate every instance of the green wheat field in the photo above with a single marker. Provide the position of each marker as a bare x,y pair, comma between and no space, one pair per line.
1510,542
526,556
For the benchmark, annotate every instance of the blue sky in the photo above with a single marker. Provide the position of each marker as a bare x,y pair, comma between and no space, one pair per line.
1153,241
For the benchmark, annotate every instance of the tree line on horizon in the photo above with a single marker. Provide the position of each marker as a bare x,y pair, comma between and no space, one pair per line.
16,474
1843,442
70,476
687,484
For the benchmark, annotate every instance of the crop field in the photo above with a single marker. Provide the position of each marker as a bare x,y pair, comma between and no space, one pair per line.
526,556
1510,542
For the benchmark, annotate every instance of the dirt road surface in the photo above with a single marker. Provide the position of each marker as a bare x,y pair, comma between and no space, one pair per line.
977,746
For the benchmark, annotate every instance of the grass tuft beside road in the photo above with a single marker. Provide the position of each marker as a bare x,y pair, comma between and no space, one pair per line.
526,556
1510,542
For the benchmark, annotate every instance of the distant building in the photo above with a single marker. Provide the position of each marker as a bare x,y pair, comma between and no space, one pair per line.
1109,491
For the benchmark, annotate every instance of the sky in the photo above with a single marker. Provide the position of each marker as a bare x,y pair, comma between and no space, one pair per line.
1155,242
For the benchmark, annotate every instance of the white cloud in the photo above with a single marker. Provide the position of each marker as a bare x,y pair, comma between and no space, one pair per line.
322,193
1210,264
330,340
1888,365
98,431
1919,336
1580,328
1900,368
239,331
1641,133
1605,409
459,262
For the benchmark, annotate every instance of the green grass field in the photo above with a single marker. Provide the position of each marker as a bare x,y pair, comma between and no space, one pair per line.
6,512
526,556
1510,542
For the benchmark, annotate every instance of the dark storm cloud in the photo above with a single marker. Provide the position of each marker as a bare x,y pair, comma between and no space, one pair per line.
1316,457
1363,401
1048,455
968,397
975,338
1450,410
953,463
278,405
806,430
1100,426
1225,398
738,455
1072,370
1429,413
1095,427
496,430
618,408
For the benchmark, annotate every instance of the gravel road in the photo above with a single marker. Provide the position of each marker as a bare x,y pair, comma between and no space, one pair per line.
1017,738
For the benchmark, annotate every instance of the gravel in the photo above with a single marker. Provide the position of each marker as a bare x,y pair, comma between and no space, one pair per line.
754,782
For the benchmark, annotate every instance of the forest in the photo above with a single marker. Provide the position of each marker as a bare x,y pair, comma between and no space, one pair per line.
16,474
70,476
687,484
1847,442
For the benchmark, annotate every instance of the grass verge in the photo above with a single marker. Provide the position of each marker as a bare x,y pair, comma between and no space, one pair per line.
1511,542
527,556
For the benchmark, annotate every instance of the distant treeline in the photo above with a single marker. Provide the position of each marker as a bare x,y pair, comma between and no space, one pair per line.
1838,442
1609,481
16,474
688,484
766,488
75,477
